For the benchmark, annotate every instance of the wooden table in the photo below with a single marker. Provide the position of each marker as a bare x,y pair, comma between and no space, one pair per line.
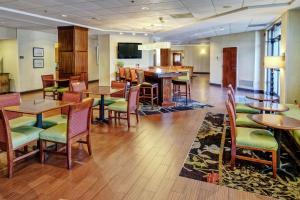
102,91
279,123
268,106
37,107
163,76
262,97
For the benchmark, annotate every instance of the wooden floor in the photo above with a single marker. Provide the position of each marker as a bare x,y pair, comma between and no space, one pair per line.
142,163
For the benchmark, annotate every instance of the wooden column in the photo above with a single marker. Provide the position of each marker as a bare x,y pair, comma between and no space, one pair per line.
73,52
164,57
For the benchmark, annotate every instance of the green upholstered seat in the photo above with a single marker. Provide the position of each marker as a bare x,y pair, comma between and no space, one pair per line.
242,108
24,134
243,120
96,102
57,133
22,121
146,84
50,89
120,106
256,138
54,120
293,112
110,100
62,89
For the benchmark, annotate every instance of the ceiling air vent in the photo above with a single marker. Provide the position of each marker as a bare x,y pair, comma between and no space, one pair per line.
182,16
257,25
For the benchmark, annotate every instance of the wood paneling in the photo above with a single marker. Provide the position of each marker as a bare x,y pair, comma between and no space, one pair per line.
73,52
4,83
165,57
229,66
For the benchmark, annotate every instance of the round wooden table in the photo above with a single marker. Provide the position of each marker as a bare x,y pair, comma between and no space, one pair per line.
268,106
262,97
278,123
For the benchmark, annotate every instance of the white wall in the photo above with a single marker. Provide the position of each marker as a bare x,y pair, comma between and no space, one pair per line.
9,54
290,46
8,33
246,44
30,78
93,67
104,52
197,55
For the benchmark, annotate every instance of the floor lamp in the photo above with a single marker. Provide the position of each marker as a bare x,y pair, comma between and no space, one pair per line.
273,62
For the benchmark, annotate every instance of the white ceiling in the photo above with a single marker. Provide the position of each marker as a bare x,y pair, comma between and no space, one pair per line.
143,15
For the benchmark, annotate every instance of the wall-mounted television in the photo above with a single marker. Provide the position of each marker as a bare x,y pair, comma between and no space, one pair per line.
129,51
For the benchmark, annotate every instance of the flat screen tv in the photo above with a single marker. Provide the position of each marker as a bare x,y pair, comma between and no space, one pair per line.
129,51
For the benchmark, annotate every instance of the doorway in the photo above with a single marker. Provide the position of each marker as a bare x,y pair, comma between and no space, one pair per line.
229,66
177,59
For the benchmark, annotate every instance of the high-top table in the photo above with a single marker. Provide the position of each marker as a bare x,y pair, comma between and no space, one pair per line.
263,97
268,106
37,107
163,76
102,91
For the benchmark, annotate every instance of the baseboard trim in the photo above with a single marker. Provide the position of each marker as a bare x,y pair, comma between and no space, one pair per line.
215,84
201,72
250,90
93,81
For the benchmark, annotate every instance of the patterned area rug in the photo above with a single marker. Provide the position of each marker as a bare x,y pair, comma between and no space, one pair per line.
210,153
146,108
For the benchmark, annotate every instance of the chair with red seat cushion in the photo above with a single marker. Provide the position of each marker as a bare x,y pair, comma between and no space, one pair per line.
76,130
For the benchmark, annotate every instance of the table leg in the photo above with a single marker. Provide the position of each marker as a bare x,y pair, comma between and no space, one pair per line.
101,117
39,120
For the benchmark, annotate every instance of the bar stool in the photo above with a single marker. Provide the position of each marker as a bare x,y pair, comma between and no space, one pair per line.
147,87
185,81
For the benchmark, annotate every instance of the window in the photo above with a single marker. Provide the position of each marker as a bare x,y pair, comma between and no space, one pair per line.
273,38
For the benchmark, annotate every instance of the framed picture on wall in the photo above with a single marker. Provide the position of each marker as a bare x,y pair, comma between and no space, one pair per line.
38,63
38,52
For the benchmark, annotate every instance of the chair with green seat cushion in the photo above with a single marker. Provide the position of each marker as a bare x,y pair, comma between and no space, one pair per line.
251,139
242,108
62,89
120,106
22,121
296,135
256,138
110,100
16,139
49,88
72,97
293,112
242,120
77,129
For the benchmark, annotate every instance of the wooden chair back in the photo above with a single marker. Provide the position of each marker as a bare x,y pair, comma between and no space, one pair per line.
140,76
231,100
78,86
11,99
74,79
133,76
48,80
232,122
5,135
119,85
122,72
231,89
72,97
133,99
127,74
79,118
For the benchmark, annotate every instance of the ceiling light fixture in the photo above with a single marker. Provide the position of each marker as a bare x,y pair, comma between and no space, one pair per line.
64,15
222,29
121,33
133,33
146,34
227,6
145,8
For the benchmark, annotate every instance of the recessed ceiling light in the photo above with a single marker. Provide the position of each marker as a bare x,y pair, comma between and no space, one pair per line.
227,6
64,15
121,33
145,8
222,29
133,33
146,34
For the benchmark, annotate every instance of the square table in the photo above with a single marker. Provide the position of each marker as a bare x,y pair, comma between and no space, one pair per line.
102,91
37,107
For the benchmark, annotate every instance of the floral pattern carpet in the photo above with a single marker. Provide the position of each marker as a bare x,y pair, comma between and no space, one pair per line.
146,109
210,153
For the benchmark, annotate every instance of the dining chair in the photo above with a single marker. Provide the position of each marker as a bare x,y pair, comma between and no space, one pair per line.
76,130
241,107
15,119
80,87
251,139
49,88
127,74
185,81
15,141
117,96
126,107
73,79
147,90
70,97
242,119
